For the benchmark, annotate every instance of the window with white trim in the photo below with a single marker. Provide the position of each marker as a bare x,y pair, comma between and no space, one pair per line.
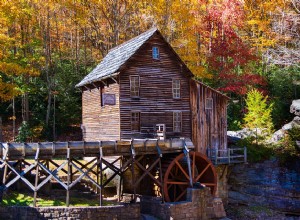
134,86
155,53
177,121
176,88
135,121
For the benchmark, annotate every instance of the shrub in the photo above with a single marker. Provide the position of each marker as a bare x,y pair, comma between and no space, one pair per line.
25,132
258,112
256,152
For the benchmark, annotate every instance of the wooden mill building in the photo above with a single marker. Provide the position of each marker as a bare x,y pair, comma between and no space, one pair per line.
142,89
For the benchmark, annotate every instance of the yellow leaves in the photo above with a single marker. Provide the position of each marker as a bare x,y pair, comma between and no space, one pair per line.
201,72
12,118
7,91
13,69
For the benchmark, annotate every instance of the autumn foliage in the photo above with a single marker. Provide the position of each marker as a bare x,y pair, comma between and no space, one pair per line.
46,46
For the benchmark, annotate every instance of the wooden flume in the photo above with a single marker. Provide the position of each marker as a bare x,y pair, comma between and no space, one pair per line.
91,148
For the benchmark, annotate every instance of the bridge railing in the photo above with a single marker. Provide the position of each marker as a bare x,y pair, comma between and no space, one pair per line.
227,156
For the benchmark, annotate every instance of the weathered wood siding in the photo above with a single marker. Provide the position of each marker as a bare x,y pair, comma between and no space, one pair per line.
209,125
100,122
156,104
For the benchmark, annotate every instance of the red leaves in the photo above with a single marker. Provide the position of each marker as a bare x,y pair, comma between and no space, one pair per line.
228,55
241,84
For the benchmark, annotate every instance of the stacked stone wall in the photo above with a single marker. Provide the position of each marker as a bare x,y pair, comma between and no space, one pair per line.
200,205
120,212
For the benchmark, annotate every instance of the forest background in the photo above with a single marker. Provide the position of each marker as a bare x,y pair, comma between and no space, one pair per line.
48,46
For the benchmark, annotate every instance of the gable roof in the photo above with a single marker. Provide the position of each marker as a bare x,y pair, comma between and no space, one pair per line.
116,57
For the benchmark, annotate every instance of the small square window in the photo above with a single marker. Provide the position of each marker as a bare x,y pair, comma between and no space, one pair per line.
155,53
176,88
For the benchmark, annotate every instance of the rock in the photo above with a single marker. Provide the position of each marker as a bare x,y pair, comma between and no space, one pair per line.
266,184
278,135
296,122
295,107
287,126
232,140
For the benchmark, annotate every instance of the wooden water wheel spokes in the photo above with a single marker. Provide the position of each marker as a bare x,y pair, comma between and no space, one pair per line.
177,179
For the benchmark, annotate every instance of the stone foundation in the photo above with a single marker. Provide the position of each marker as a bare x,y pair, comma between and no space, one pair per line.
222,190
200,205
120,212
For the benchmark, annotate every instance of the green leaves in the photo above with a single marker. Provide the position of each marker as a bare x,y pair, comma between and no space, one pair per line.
258,112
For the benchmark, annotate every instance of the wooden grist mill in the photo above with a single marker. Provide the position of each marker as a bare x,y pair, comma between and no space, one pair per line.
162,122
163,168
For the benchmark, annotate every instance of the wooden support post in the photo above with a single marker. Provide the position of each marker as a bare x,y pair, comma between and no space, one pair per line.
35,184
160,173
120,187
97,174
71,172
36,175
216,156
5,173
228,154
68,178
162,182
101,172
101,183
187,155
132,171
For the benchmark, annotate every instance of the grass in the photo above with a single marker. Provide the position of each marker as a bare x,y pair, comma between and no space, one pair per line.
26,199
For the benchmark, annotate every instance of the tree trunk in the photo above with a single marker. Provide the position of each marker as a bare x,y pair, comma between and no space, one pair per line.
14,118
48,107
1,135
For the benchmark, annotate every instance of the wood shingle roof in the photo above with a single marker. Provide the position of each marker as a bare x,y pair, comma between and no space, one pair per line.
115,58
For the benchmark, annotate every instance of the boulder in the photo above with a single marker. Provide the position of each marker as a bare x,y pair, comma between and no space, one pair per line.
295,107
278,135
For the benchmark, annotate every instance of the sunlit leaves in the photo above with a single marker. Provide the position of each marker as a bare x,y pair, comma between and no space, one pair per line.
258,112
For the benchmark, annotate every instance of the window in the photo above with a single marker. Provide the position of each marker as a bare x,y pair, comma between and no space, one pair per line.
101,95
134,86
155,53
208,103
177,122
135,121
176,88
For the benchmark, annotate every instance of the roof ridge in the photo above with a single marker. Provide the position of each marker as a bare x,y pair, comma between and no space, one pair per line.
154,29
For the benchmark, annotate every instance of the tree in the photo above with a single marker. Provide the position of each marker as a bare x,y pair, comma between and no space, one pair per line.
258,112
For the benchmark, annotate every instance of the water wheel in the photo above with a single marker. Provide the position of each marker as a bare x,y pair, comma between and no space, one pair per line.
176,175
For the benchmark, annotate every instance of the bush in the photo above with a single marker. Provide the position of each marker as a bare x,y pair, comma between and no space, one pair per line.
25,132
256,152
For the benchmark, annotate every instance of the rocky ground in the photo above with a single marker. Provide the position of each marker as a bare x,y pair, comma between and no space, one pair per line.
243,212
